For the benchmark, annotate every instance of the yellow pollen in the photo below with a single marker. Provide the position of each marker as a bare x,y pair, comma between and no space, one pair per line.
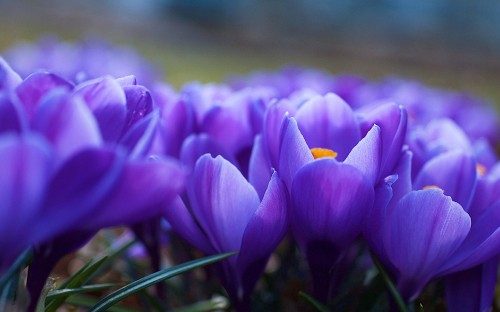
481,170
319,152
431,187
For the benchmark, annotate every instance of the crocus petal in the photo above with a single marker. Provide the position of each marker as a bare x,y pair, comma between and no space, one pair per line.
129,80
445,132
273,120
11,116
67,123
375,221
403,184
33,88
330,201
485,153
222,201
482,243
111,121
101,92
263,233
294,152
392,120
144,190
178,121
472,290
229,126
182,222
366,155
328,122
82,190
454,172
438,137
197,145
139,104
203,97
9,79
422,231
139,138
25,170
486,193
259,172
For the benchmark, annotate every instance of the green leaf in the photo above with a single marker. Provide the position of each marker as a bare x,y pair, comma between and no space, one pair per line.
217,303
64,293
390,285
75,281
112,255
154,278
10,280
21,262
89,302
315,303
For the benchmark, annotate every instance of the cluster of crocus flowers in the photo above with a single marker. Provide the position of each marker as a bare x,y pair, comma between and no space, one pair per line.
74,160
400,169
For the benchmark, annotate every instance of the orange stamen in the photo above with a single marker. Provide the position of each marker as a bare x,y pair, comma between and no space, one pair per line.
431,187
481,170
319,152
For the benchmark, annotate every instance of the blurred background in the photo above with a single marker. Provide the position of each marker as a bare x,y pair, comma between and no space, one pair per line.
445,43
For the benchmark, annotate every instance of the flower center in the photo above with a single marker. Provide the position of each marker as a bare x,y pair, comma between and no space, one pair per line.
431,187
319,152
481,170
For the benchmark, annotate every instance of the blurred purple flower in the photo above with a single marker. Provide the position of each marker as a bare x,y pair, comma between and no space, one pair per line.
64,177
477,118
79,61
210,119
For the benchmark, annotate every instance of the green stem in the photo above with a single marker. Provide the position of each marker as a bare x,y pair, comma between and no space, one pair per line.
390,285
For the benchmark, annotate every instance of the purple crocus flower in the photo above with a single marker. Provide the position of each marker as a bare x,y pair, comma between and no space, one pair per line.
225,214
330,199
328,123
436,226
332,196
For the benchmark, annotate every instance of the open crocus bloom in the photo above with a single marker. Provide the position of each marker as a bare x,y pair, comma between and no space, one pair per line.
330,200
225,214
433,227
330,195
328,123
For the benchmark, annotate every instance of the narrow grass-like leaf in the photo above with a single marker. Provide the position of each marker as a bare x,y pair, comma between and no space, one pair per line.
390,285
217,303
88,302
63,293
154,278
21,262
10,280
75,281
315,303
6,294
112,255
80,277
